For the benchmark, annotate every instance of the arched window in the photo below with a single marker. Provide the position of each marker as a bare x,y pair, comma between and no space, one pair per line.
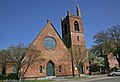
40,69
59,68
14,69
76,26
78,38
80,68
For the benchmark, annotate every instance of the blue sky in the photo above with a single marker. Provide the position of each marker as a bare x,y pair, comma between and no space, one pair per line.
22,20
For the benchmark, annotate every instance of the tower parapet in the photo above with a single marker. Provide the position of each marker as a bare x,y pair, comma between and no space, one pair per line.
78,11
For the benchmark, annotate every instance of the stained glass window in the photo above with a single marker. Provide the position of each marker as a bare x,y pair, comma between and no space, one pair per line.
49,42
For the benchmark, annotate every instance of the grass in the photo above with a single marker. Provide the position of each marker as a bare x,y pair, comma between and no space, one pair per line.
53,80
38,81
76,78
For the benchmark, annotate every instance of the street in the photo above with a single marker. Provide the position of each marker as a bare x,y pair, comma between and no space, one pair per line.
117,79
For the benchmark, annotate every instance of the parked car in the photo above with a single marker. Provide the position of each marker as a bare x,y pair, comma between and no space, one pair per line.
114,73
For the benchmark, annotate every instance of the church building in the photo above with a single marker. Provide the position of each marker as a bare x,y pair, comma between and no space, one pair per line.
61,53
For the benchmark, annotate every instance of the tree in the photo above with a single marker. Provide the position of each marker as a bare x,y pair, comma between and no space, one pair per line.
100,48
101,41
32,56
71,53
96,62
108,41
100,51
78,56
99,62
114,36
16,55
23,57
3,60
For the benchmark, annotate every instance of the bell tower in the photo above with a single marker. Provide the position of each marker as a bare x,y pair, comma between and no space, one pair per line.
72,29
73,33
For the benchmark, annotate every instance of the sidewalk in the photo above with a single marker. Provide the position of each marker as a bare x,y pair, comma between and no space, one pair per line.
95,77
82,78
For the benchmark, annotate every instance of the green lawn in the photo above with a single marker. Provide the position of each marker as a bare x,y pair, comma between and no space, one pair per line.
50,80
38,81
76,78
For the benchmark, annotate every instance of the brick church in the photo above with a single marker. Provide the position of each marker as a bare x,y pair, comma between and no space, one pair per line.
60,54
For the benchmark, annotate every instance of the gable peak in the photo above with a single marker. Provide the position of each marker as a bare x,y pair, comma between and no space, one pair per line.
48,21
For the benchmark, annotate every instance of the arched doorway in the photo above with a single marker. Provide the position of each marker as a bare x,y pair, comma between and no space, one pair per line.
81,68
50,69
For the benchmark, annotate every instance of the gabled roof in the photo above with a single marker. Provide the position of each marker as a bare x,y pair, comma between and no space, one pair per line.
48,21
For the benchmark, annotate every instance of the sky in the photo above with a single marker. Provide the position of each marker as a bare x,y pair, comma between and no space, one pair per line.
22,20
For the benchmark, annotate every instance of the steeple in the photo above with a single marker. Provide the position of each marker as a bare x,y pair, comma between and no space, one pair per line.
78,11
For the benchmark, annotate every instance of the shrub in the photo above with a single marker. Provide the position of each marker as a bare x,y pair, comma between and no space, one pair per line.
2,77
12,76
114,69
